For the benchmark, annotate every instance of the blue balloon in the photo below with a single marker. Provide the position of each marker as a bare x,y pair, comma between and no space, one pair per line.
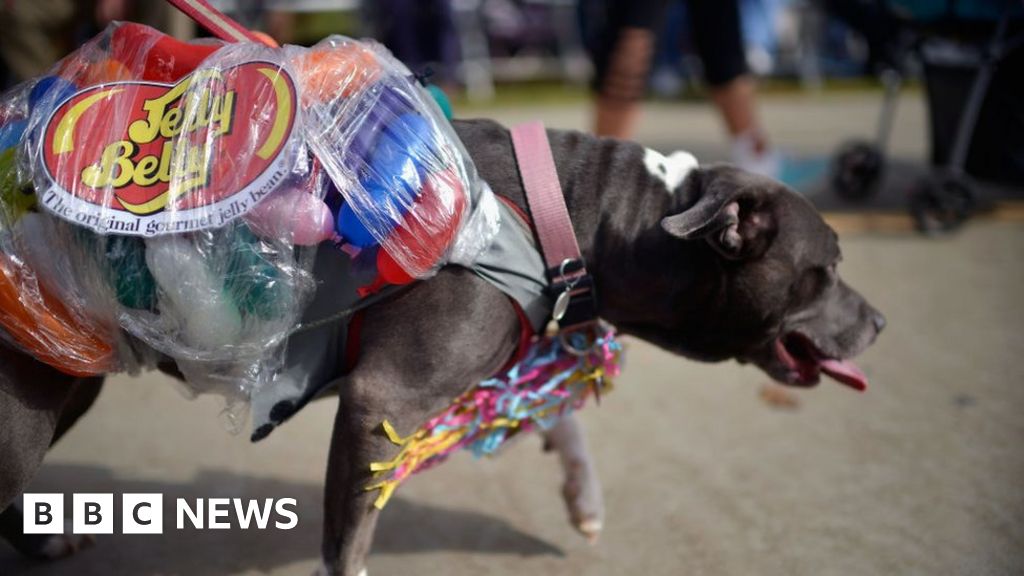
10,133
48,93
352,230
392,176
412,133
372,110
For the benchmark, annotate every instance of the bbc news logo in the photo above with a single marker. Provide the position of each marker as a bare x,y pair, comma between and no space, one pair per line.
144,514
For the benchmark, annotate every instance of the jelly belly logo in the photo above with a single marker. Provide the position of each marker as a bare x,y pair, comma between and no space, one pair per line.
144,159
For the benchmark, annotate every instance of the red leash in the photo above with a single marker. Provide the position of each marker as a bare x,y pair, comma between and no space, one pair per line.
216,22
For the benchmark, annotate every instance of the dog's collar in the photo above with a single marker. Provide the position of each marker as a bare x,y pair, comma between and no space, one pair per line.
569,284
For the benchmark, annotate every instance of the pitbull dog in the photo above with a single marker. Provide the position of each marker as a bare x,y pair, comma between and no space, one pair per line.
710,263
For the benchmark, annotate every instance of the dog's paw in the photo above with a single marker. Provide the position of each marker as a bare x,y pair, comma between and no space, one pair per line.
582,493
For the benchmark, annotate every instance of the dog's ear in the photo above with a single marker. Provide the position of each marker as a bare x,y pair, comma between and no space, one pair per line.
732,212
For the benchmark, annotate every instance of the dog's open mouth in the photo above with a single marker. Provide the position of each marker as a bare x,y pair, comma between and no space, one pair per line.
805,363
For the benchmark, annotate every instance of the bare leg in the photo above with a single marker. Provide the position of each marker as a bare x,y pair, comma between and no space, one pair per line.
737,102
618,106
419,351
582,488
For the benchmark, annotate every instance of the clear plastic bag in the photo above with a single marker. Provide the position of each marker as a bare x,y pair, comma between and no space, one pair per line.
165,199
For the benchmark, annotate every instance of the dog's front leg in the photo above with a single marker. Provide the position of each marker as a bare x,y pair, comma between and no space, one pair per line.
582,489
37,406
419,351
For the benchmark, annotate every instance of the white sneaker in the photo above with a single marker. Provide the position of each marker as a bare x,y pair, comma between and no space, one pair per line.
746,155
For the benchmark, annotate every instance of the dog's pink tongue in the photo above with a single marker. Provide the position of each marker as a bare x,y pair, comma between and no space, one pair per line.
845,372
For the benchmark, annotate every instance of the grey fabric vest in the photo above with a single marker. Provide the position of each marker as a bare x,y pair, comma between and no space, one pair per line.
315,357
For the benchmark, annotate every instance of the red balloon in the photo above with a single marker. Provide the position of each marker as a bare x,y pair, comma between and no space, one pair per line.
156,56
427,230
391,271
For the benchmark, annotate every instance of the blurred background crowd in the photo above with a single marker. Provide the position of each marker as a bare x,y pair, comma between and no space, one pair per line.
627,50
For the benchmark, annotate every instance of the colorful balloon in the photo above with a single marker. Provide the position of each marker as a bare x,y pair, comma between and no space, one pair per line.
11,133
156,56
391,181
292,213
209,318
86,74
370,113
441,99
254,282
126,271
352,230
16,198
412,134
327,73
47,94
45,328
426,232
391,271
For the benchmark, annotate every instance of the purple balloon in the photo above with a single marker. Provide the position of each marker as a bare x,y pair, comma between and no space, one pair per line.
377,107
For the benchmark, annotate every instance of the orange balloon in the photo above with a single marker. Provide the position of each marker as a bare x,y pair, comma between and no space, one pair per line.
266,39
328,73
48,330
104,71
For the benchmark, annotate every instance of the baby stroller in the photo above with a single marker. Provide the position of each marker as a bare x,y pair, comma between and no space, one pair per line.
972,60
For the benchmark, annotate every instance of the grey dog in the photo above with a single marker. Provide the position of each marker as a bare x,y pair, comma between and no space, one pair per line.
712,264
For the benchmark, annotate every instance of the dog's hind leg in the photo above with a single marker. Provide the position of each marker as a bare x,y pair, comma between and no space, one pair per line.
582,489
419,351
37,405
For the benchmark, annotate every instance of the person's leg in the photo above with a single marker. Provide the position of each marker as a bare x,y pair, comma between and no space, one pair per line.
737,102
618,102
718,38
622,59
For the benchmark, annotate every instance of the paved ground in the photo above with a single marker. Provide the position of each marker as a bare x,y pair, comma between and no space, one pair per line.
921,475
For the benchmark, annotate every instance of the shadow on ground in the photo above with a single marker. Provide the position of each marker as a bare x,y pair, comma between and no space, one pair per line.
406,528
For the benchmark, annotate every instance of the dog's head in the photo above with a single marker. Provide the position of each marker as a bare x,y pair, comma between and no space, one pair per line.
767,289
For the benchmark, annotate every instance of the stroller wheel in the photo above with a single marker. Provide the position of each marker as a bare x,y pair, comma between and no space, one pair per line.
857,170
941,203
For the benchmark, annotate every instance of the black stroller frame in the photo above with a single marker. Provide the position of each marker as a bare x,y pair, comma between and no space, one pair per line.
945,199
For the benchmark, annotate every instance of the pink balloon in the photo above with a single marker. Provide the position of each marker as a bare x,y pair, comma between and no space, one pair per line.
292,214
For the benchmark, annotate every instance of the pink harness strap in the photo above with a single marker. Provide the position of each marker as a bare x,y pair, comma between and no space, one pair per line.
215,21
566,269
544,194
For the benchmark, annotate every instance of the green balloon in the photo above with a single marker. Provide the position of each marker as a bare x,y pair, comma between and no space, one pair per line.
128,273
442,100
258,287
122,261
16,197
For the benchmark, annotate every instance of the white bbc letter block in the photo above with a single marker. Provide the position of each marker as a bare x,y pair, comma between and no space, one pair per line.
218,508
43,514
93,514
142,514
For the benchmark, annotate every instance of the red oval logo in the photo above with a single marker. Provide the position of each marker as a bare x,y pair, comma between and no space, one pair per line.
144,158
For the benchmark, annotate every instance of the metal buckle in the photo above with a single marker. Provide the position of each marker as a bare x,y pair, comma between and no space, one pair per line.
565,297
582,339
